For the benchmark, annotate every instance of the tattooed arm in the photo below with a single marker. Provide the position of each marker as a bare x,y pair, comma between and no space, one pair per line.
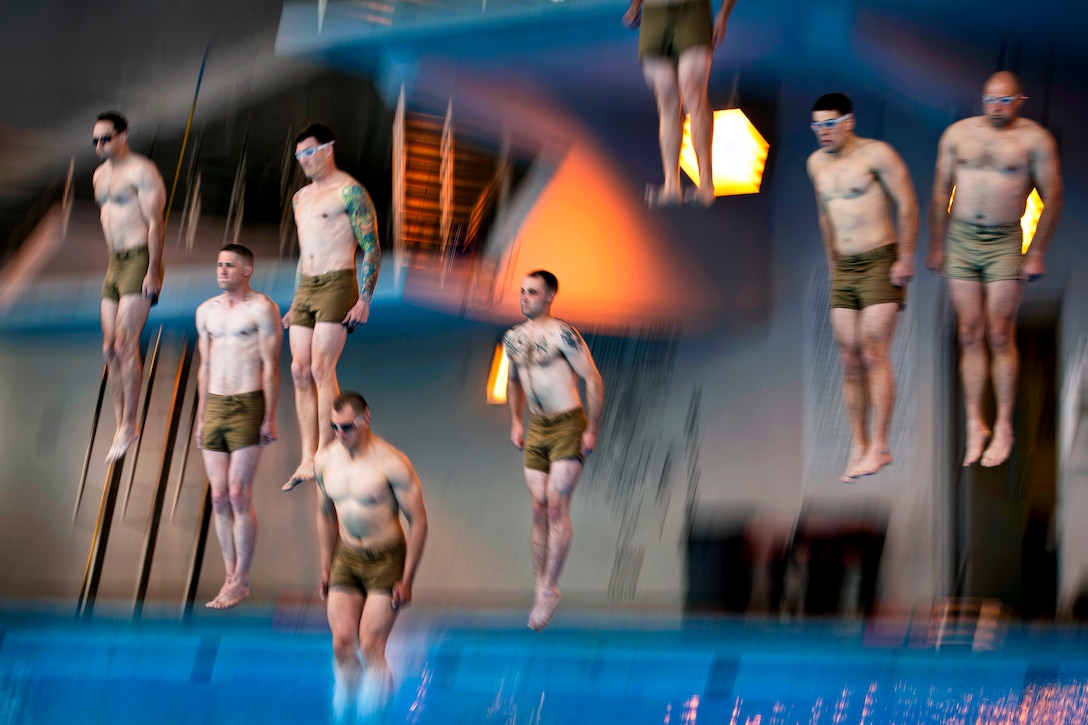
581,361
360,212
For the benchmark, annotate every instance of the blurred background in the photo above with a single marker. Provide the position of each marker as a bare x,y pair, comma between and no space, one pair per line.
497,138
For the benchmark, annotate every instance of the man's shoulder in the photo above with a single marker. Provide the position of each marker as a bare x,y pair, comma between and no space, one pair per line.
971,124
1037,132
518,329
143,166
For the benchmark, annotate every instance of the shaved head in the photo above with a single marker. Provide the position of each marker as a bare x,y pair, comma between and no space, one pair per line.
1003,83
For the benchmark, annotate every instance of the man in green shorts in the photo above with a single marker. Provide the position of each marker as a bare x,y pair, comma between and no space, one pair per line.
675,45
368,564
129,190
870,261
547,357
337,232
238,382
992,161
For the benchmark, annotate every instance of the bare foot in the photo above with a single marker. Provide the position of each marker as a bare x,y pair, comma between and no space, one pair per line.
700,198
976,439
873,460
233,593
1000,447
122,441
302,474
543,608
657,197
856,454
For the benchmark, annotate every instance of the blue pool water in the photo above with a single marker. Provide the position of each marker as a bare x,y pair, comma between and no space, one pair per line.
487,668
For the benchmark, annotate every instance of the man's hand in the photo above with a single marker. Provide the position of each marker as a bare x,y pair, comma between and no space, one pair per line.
719,29
1033,267
935,261
357,315
152,284
589,442
268,432
198,434
286,321
517,435
633,16
902,272
323,588
402,594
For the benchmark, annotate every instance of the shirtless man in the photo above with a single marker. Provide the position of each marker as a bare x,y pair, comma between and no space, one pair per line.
547,356
238,379
367,563
992,161
129,189
334,214
675,45
871,260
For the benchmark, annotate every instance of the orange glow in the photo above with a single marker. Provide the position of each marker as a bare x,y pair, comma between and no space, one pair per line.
1028,222
739,154
496,381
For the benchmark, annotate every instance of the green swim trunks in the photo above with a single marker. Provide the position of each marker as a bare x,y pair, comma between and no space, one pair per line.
666,31
553,438
325,298
864,279
983,254
125,274
232,421
367,570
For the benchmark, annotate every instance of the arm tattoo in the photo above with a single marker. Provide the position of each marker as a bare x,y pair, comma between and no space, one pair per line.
361,214
571,338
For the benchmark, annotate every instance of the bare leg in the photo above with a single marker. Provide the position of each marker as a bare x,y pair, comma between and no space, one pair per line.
328,343
374,628
877,329
661,77
243,465
967,299
113,365
537,481
1002,301
217,466
345,609
694,73
561,483
132,313
845,323
301,341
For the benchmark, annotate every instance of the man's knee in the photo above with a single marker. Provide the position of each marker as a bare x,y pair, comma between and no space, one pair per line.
851,359
323,368
970,333
300,371
372,648
345,646
1002,336
241,501
540,511
221,500
874,353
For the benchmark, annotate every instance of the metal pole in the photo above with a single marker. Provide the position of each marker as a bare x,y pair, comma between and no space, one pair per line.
185,454
198,551
177,401
90,445
151,370
93,572
185,138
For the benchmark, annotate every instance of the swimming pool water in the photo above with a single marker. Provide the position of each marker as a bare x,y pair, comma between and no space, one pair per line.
486,668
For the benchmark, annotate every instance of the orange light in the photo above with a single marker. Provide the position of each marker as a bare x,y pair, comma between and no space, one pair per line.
1028,222
739,154
496,381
